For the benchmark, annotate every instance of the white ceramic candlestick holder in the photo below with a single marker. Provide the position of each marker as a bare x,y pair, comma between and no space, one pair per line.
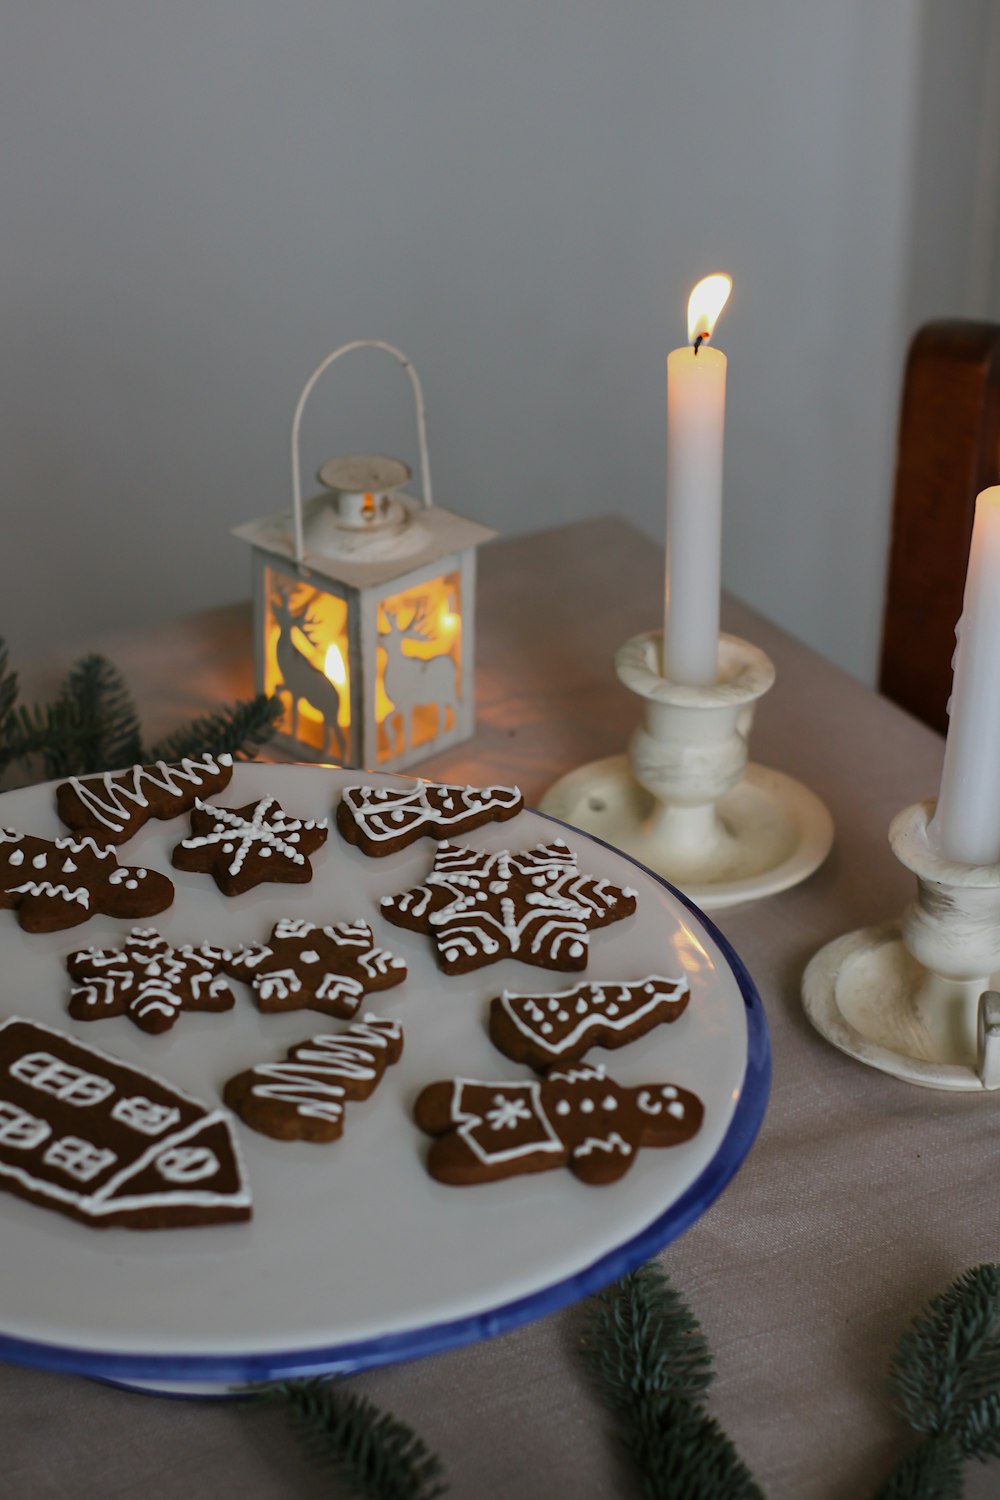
685,801
916,997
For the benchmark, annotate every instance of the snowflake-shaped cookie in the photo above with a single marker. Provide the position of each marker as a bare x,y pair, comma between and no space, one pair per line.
244,846
148,981
305,967
529,904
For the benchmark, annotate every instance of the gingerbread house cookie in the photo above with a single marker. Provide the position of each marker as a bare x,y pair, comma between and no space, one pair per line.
108,1144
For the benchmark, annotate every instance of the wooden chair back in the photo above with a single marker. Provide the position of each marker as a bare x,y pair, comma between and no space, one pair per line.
949,450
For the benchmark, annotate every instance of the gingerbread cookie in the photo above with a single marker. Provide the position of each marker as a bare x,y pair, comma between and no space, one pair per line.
57,883
581,1119
305,967
148,981
302,1099
531,904
241,847
113,807
109,1144
560,1028
382,820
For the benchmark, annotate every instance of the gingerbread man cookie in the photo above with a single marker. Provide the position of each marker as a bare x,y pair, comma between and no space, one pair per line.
57,883
382,820
241,847
302,1099
532,904
305,967
580,1119
542,1030
114,806
148,980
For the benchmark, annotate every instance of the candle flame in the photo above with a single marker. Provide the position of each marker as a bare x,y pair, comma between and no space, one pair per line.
334,668
705,304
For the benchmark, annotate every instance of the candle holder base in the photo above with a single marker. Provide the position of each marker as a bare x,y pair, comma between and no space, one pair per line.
768,833
916,997
864,993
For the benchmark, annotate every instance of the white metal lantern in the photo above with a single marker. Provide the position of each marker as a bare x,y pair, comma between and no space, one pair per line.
364,603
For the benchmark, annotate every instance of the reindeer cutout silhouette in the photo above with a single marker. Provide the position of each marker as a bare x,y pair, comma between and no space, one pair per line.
414,682
300,678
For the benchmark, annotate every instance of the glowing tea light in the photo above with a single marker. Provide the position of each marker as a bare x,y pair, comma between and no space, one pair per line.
966,825
333,666
696,414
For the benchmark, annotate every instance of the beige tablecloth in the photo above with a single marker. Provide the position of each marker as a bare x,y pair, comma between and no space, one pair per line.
862,1197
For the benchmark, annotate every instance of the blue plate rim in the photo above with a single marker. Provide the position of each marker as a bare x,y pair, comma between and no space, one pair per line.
253,1369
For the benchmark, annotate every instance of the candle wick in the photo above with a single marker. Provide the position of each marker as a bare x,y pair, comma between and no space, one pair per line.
698,342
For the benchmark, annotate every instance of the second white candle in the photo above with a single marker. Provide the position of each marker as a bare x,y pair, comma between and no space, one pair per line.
966,825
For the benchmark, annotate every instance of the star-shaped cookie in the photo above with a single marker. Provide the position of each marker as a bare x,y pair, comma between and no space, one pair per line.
147,980
530,904
241,847
305,967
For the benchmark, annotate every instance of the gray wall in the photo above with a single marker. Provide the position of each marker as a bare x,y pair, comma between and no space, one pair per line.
199,200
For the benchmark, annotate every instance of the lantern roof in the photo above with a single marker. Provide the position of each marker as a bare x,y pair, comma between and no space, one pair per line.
360,558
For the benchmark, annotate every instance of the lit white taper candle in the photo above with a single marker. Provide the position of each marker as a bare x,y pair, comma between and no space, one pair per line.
696,415
966,825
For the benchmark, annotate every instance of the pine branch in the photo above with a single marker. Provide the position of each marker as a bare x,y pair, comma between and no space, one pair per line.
650,1362
932,1472
642,1341
239,730
945,1378
377,1455
105,727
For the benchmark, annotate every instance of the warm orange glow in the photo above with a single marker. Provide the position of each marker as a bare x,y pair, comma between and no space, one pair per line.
706,303
424,623
334,667
310,635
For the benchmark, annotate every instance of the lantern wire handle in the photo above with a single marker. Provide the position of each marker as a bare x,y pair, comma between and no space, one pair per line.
425,468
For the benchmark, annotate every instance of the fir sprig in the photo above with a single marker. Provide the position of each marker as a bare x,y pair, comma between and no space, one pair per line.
945,1379
374,1453
651,1365
92,725
238,730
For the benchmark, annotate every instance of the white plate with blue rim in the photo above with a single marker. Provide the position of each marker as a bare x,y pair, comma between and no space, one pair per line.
354,1256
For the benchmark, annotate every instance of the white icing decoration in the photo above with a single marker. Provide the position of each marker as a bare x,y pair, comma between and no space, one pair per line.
677,1110
470,1120
554,915
109,799
254,833
384,814
609,1143
141,1114
45,888
310,1080
74,1159
506,1113
81,1159
632,1003
185,1164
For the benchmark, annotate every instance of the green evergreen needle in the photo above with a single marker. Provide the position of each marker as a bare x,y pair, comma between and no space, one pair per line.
373,1452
